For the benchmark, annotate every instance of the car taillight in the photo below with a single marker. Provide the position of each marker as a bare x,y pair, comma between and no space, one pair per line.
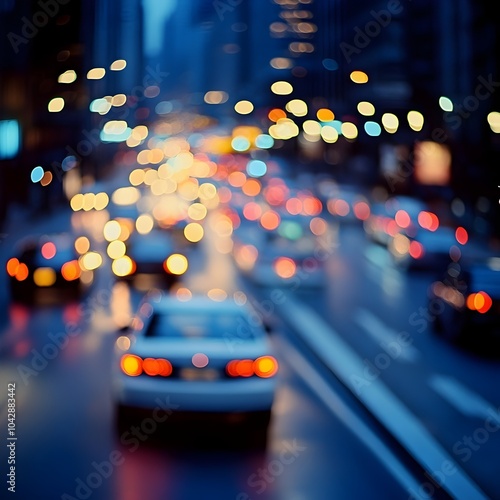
263,367
416,249
134,366
44,276
158,366
131,365
17,269
284,267
71,270
480,302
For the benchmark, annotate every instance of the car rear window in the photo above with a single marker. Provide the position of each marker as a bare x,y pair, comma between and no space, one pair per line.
200,325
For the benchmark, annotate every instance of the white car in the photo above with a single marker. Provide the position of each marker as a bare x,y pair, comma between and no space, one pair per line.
198,356
290,257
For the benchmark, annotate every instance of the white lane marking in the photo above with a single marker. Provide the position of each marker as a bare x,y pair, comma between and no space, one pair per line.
378,399
349,418
462,398
385,336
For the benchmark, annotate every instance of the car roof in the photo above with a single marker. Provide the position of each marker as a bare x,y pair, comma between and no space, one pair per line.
197,303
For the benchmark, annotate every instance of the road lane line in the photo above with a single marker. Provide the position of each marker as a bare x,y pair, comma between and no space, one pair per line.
466,401
379,400
349,418
383,335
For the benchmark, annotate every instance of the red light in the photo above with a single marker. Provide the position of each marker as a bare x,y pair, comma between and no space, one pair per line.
461,235
392,227
244,368
428,220
48,250
402,218
151,366
361,210
480,302
22,272
270,220
294,206
252,211
165,367
231,368
284,267
416,249
341,207
12,266
71,270
312,206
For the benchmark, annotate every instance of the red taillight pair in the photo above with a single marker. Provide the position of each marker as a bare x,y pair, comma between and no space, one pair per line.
134,366
17,269
480,302
263,367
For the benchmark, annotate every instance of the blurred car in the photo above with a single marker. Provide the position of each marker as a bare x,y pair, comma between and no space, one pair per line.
425,250
348,203
211,358
45,267
388,218
152,255
466,303
290,255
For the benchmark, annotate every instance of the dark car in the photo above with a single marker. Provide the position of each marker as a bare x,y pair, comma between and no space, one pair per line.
466,303
154,260
45,267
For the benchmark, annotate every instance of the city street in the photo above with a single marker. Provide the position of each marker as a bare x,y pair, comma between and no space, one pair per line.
249,250
64,403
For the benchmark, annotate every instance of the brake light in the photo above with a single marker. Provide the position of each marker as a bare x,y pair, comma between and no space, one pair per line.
71,270
12,266
416,249
17,269
263,367
284,267
361,210
131,365
402,219
461,235
159,366
134,366
480,302
244,368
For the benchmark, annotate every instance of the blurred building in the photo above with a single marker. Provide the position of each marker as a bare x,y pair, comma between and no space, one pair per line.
47,49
